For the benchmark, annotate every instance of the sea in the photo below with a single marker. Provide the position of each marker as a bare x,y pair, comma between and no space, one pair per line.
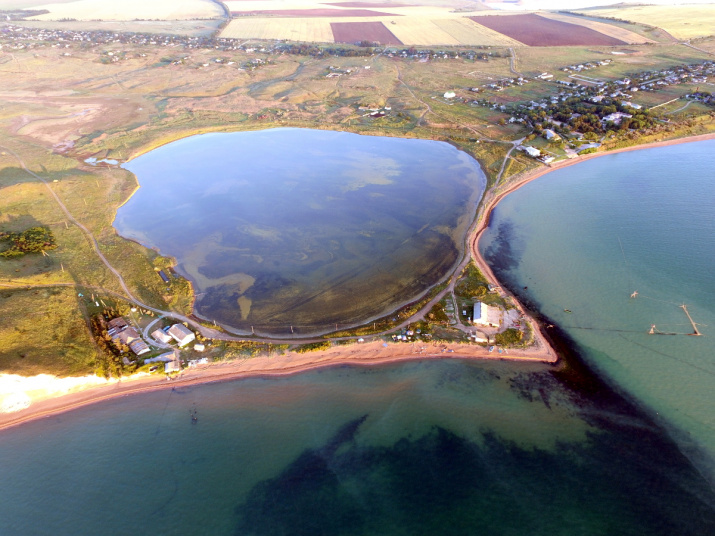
617,440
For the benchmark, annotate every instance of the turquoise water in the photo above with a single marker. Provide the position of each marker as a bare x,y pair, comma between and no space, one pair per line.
430,447
586,237
303,228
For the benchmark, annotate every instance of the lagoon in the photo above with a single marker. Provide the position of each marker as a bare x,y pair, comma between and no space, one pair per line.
294,230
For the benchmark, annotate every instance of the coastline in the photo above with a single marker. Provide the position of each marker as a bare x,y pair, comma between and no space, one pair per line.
359,354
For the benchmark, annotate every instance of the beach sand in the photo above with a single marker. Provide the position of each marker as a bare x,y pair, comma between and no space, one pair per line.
39,400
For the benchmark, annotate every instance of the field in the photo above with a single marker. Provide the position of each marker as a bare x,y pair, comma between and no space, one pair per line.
203,27
682,21
534,30
447,31
353,32
617,32
293,29
329,13
425,25
90,10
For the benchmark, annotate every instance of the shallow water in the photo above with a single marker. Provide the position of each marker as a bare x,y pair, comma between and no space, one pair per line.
443,447
586,237
303,228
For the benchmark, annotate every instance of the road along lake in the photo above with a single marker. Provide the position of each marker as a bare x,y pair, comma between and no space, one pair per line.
298,230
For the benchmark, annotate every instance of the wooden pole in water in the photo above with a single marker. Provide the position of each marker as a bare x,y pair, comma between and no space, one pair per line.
695,327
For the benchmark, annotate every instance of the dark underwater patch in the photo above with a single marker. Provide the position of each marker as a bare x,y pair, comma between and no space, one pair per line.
627,483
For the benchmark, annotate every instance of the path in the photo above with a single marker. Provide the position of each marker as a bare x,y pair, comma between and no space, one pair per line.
512,62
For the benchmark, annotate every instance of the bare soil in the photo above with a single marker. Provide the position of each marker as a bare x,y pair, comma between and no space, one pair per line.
353,32
536,31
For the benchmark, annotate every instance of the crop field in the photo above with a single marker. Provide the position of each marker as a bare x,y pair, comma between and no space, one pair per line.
534,30
617,32
177,27
452,31
91,10
325,12
352,32
418,25
294,29
682,21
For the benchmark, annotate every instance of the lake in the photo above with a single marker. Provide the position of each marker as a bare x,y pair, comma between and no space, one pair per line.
294,230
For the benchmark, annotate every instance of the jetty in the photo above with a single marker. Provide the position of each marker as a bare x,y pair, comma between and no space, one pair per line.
695,326
696,332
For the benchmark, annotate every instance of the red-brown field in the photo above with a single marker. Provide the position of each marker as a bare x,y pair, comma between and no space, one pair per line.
536,31
305,13
353,32
370,5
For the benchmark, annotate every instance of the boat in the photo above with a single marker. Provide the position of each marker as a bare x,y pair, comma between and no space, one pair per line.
567,310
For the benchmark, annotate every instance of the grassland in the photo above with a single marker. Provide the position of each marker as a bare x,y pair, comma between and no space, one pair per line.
681,21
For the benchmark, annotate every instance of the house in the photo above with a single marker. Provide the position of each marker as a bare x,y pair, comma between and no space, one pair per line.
115,325
161,336
616,117
551,135
199,347
138,346
532,151
163,358
181,334
172,366
478,336
126,336
484,315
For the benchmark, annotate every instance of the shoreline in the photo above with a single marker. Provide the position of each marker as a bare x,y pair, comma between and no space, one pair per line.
265,366
357,354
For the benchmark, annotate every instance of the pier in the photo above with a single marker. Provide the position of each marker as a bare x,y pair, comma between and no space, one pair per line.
696,332
695,326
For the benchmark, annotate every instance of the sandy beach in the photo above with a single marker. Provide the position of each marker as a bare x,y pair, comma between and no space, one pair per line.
40,400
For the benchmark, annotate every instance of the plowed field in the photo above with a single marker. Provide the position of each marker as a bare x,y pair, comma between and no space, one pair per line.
537,31
352,32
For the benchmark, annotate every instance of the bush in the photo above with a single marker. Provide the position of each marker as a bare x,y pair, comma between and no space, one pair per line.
509,337
32,240
313,347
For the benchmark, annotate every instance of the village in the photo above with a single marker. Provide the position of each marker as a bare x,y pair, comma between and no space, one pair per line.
586,110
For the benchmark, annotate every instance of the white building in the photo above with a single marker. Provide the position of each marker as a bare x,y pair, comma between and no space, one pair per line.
551,135
161,336
484,315
532,151
181,334
616,117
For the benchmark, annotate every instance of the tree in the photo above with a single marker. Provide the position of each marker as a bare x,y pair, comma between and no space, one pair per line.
32,240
